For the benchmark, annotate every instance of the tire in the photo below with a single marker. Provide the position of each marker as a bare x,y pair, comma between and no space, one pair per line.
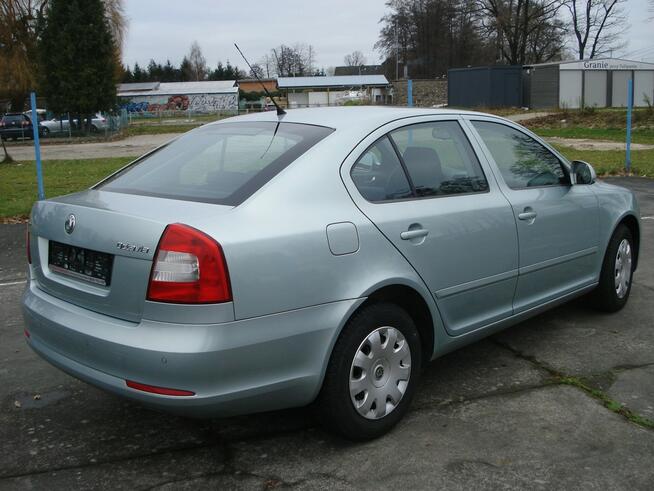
612,292
94,128
45,132
376,323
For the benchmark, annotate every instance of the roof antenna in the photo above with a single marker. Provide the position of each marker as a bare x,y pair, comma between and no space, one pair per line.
280,111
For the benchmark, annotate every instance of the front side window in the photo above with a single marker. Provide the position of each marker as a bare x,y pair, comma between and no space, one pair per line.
219,163
439,159
522,161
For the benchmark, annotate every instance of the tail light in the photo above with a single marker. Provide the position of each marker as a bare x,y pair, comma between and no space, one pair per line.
27,242
189,267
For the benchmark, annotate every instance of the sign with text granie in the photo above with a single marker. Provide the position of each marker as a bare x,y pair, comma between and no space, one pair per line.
606,64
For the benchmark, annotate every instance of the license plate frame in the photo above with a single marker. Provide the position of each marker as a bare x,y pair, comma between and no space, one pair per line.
80,263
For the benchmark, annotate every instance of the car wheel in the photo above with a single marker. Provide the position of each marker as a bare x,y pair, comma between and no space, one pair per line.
94,129
617,269
372,373
45,132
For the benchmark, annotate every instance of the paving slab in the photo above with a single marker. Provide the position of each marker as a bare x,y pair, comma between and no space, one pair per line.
635,389
549,438
576,340
13,260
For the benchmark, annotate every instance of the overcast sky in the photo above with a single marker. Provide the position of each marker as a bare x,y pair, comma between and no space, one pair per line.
162,29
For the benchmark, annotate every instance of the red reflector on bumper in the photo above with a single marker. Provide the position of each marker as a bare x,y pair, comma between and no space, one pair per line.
158,390
27,333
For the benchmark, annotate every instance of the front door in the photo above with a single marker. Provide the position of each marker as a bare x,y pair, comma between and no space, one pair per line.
557,223
424,188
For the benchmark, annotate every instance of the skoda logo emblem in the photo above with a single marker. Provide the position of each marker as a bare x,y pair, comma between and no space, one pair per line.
70,224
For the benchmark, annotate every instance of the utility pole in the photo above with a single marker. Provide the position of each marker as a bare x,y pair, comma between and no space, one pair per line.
397,54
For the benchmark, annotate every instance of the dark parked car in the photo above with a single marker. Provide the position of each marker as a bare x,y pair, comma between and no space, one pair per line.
17,125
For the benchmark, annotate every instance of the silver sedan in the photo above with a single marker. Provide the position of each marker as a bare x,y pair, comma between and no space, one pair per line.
323,256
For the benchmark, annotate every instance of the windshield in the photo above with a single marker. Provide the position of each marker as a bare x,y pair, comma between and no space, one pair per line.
222,163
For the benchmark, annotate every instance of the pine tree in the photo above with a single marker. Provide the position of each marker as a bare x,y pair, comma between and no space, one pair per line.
77,59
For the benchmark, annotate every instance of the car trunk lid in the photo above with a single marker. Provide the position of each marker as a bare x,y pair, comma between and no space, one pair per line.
119,229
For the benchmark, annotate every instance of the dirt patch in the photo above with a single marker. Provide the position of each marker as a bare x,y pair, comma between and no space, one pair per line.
588,144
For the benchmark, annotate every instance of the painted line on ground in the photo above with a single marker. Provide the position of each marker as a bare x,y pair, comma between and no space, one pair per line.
13,283
647,218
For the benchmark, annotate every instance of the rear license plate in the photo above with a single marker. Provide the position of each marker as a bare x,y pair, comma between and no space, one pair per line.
80,263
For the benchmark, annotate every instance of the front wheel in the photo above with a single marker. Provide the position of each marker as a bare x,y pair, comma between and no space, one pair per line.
372,373
617,269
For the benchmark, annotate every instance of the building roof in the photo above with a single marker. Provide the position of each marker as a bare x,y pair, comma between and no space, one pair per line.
137,87
335,81
359,70
184,88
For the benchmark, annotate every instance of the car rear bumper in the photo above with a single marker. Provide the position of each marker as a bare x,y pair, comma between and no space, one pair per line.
239,367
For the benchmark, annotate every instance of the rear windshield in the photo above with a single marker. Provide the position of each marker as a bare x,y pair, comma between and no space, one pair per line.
223,163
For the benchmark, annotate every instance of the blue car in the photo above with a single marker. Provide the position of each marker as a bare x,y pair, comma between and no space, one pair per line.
320,256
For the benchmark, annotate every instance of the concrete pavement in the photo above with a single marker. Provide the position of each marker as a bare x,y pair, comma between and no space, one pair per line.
547,404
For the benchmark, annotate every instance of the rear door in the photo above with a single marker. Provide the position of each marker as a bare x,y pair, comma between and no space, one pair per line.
557,223
425,189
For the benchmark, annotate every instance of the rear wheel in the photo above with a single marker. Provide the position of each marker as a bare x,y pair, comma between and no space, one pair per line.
617,269
372,373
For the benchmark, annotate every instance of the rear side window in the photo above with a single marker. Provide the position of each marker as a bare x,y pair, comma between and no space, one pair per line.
14,118
439,159
378,174
523,161
222,163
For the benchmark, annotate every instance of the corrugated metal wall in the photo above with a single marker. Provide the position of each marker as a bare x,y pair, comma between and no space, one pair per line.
544,87
497,86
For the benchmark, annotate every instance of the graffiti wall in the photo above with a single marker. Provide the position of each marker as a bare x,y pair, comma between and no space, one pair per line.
197,103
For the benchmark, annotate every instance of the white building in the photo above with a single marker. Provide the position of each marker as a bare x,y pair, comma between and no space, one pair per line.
336,90
590,83
197,97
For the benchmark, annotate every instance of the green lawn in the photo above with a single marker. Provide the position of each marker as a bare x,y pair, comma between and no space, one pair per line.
18,180
612,161
157,129
613,134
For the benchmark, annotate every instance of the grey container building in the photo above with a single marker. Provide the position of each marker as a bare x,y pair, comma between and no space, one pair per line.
488,86
588,83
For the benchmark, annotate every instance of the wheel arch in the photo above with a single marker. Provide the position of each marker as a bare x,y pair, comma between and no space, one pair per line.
631,222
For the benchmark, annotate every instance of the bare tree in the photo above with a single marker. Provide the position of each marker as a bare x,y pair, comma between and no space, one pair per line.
197,63
257,71
596,26
115,14
526,31
356,58
292,61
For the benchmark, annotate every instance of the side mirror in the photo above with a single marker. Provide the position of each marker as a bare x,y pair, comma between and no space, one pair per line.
583,173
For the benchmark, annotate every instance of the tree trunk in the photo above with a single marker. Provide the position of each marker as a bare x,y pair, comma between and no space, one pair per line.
7,158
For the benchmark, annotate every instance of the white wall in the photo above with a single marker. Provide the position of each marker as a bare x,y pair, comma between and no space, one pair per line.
619,88
570,88
643,85
595,88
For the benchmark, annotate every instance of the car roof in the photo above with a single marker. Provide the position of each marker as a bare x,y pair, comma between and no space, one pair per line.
344,117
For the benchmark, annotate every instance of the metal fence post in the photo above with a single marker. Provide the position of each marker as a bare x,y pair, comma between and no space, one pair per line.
409,93
630,105
37,146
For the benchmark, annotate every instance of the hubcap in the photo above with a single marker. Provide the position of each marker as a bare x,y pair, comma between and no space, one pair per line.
623,268
379,375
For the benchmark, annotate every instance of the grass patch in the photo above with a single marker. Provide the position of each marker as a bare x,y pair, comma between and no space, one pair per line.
640,135
157,129
611,162
609,403
18,180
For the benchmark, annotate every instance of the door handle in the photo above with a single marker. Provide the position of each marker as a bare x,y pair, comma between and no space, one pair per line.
527,214
414,234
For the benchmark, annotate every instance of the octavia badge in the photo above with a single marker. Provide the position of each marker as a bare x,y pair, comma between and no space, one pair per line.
70,224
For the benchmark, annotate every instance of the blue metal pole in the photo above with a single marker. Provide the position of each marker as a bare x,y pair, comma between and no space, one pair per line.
630,105
409,93
37,146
